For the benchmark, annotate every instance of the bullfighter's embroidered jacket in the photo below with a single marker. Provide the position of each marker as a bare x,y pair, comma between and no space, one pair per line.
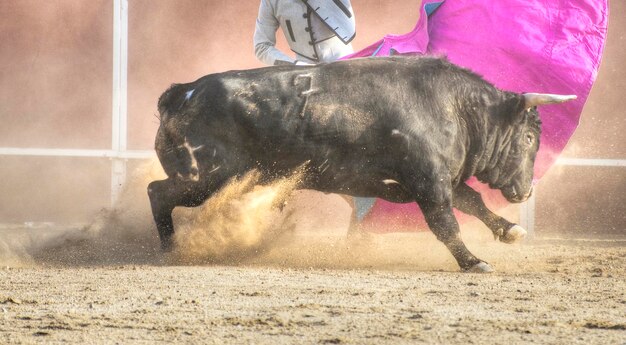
316,30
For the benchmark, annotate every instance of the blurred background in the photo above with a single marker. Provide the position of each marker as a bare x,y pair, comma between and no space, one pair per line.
56,79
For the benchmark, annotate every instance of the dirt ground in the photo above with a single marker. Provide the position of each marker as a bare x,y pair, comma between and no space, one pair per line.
318,291
244,272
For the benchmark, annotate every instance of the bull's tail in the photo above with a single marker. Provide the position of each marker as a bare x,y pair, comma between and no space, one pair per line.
170,144
177,158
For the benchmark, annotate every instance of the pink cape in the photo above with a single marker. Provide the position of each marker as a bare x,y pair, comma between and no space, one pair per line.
543,46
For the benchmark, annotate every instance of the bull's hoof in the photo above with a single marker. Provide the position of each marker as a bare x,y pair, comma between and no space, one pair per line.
481,267
167,246
515,234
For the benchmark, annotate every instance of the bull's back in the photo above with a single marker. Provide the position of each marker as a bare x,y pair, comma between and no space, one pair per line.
341,102
343,97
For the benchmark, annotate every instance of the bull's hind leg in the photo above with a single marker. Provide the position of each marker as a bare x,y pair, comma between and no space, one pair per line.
167,194
469,201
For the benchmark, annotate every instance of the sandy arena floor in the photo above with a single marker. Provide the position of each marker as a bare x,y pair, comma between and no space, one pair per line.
548,291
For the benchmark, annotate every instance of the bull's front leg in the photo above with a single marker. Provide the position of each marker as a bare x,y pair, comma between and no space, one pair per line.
443,224
469,201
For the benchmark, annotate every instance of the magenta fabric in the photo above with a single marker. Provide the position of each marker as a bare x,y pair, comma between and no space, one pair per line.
544,46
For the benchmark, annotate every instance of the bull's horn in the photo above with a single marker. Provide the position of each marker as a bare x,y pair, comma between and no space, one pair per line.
535,99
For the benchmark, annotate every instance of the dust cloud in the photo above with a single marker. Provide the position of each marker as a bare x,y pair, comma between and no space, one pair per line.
118,235
240,221
244,223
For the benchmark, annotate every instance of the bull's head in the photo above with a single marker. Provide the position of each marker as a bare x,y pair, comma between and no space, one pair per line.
515,174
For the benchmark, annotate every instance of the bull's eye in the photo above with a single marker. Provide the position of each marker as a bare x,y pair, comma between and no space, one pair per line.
530,139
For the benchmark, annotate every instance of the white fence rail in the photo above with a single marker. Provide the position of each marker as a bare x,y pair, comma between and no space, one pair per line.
113,154
527,209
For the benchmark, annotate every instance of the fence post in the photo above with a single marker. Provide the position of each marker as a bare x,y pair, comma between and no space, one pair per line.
527,215
119,118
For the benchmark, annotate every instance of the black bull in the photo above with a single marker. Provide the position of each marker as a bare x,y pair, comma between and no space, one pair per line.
401,129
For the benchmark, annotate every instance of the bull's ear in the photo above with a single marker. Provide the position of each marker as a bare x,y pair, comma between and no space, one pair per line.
535,99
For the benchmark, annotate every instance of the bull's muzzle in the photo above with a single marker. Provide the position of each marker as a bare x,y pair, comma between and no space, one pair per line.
512,195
